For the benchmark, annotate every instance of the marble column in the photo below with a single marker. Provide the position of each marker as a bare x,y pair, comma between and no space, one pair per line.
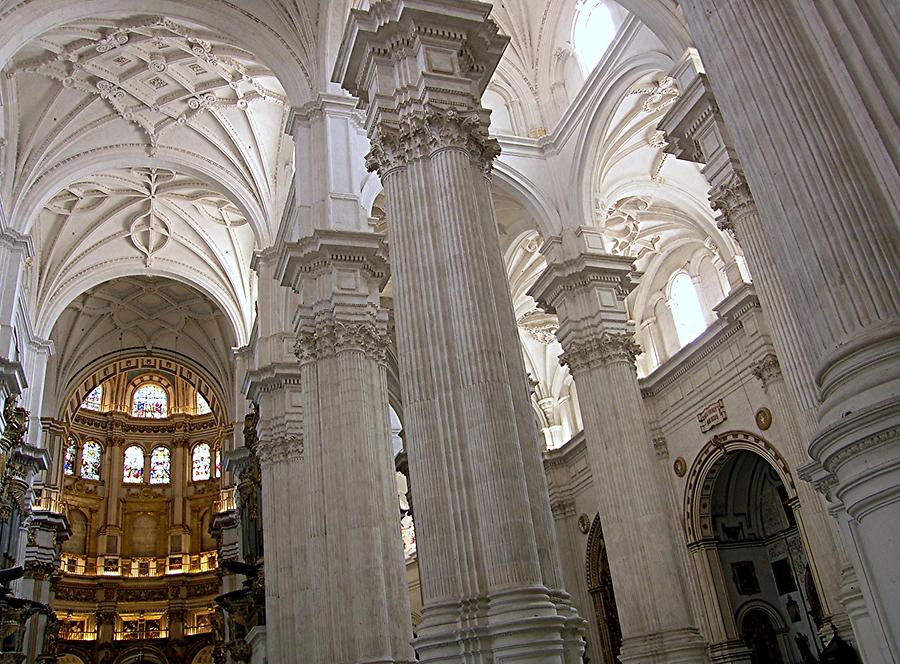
807,91
15,250
355,608
586,288
491,579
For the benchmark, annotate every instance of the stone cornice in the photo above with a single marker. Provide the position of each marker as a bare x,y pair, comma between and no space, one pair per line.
326,249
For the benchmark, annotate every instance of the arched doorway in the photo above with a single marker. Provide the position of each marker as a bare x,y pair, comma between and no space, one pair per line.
749,550
600,587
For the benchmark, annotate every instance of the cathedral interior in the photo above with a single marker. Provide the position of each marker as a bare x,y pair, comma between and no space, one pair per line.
449,331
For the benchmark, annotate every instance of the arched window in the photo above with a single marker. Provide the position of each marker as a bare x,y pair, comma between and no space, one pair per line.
133,468
94,399
592,33
200,462
202,405
160,465
91,456
218,463
686,310
69,456
150,400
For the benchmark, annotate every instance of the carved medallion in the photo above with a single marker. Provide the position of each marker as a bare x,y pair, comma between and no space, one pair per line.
763,418
680,466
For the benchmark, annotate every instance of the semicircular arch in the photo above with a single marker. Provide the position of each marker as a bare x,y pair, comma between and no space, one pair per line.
705,469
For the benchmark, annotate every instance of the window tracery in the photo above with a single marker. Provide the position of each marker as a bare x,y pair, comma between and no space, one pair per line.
94,399
686,310
150,400
218,463
133,466
91,457
70,455
160,465
201,459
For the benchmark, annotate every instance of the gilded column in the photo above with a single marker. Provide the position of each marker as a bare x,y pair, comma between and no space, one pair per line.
355,608
491,579
586,288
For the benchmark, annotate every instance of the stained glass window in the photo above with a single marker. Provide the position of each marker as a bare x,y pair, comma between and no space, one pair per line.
69,456
218,463
160,465
133,468
94,398
202,405
200,462
150,400
91,456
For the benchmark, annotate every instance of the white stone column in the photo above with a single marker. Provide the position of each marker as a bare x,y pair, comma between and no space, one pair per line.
586,288
794,81
274,383
491,579
355,607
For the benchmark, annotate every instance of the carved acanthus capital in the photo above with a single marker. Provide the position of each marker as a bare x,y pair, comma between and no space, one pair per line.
767,370
421,134
602,350
734,200
326,337
280,450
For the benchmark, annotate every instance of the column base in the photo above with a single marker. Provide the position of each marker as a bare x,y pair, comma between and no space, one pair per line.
521,626
680,646
730,652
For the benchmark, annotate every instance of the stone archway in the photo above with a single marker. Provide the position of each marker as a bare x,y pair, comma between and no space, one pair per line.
745,537
600,588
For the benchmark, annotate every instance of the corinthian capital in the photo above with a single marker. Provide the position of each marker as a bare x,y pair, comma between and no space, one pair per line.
602,350
280,450
767,370
326,337
422,133
733,199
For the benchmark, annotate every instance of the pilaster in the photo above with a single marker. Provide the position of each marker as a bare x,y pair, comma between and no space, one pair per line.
586,288
491,575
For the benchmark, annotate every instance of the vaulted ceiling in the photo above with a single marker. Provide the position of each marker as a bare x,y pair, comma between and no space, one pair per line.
148,313
95,94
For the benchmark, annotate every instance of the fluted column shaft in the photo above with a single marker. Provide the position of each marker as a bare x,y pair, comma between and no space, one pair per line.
806,90
491,579
586,288
355,608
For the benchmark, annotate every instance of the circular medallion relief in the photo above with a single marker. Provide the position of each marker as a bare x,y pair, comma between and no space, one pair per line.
763,418
584,523
680,466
